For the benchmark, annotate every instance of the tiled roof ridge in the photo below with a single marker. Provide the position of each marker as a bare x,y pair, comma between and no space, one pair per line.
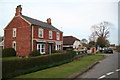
72,37
33,18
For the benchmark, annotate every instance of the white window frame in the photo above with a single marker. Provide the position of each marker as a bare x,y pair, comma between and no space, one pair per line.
58,36
50,35
40,33
39,48
14,43
58,47
14,32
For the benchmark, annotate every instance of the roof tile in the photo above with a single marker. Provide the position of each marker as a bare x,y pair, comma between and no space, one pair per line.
40,23
69,40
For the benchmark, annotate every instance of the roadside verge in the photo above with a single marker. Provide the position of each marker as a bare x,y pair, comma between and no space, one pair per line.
75,75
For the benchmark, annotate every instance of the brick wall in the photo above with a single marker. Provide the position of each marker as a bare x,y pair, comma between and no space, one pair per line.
46,34
23,36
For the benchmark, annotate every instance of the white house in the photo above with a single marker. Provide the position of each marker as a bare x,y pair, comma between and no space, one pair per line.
70,42
1,44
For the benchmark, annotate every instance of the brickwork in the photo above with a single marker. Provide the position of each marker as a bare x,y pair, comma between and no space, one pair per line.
22,38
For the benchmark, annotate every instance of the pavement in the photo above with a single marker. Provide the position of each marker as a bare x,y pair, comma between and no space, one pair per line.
107,68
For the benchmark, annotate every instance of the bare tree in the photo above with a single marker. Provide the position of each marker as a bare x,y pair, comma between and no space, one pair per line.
93,37
102,29
100,32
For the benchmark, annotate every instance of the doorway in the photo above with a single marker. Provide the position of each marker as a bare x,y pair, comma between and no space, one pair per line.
50,48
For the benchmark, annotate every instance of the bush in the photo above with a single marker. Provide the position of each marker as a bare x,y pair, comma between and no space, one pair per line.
7,52
57,51
72,52
12,68
34,53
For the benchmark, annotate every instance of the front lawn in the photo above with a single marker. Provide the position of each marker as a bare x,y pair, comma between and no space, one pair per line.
65,70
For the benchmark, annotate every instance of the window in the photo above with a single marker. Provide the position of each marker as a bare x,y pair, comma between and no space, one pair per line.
40,33
14,45
41,48
58,47
58,36
50,34
14,32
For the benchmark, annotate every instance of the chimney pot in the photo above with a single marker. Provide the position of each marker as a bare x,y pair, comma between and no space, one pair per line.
18,10
49,20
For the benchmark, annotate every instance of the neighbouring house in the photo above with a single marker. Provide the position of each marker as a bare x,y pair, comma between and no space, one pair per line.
26,34
70,42
1,43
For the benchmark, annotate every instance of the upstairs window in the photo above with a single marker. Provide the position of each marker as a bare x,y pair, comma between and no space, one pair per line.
50,34
40,33
58,36
14,32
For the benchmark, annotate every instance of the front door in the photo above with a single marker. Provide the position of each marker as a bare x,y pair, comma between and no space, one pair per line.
50,48
41,48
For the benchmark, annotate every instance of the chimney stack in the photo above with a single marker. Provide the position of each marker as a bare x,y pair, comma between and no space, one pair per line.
49,21
18,10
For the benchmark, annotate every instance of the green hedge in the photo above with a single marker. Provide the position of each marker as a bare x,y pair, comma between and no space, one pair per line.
7,52
12,68
34,53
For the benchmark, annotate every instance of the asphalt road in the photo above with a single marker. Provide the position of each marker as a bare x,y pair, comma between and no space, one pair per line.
106,69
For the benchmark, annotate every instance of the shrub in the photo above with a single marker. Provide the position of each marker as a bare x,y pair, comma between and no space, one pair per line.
72,52
34,53
7,52
57,51
12,68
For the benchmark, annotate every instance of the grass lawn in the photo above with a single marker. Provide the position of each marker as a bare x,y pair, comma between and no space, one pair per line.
65,70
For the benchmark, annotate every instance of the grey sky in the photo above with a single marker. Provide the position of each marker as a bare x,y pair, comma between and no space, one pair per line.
73,17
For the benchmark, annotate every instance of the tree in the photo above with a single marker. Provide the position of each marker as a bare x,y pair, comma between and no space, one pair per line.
84,41
93,37
100,33
91,44
102,42
102,29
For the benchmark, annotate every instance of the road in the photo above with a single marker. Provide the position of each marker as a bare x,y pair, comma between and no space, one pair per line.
107,68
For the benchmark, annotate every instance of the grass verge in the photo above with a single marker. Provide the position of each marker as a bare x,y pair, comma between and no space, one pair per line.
65,70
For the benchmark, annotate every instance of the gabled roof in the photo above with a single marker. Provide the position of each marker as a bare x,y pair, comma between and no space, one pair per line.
69,40
40,23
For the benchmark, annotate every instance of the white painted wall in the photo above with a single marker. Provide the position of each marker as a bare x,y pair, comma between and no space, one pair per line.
76,44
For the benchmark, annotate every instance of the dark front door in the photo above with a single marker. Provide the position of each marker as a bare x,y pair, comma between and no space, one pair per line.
50,48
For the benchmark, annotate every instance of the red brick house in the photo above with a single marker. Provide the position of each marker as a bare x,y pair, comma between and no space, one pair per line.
26,34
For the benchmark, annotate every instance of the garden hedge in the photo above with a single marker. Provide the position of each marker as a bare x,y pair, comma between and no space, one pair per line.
12,68
34,53
7,52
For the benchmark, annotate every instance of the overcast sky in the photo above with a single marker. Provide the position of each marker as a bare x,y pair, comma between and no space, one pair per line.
73,17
